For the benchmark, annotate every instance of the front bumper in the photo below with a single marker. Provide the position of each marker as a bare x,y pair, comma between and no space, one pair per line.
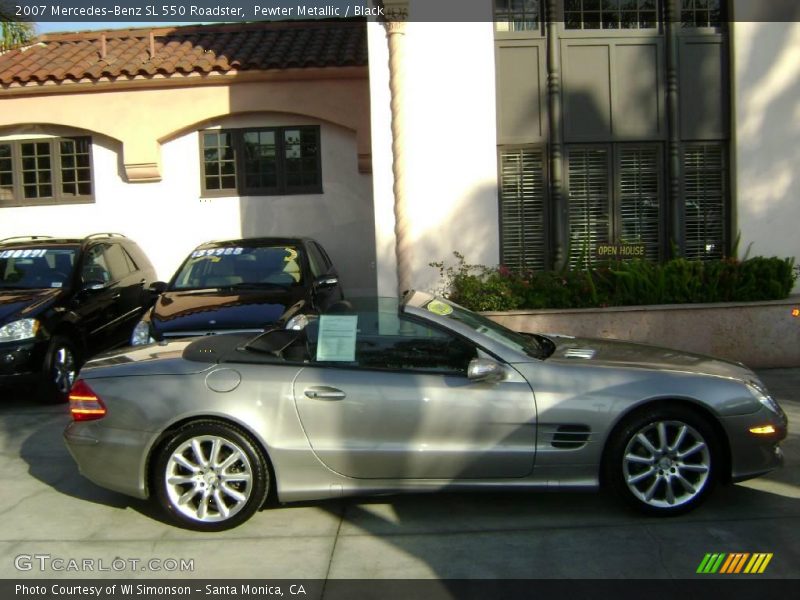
752,454
21,362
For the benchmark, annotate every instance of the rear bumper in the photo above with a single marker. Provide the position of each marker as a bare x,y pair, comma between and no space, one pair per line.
111,458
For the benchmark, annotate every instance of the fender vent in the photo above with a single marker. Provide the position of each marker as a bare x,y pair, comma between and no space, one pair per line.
571,437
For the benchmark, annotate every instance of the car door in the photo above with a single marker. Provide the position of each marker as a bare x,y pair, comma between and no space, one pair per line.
405,409
129,282
96,303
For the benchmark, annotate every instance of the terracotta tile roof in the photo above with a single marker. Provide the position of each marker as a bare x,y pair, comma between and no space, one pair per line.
96,55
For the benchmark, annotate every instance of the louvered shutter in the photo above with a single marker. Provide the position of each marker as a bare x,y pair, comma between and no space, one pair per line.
522,216
588,203
639,201
705,198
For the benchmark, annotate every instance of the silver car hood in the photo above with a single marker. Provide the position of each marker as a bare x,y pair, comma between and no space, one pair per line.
614,353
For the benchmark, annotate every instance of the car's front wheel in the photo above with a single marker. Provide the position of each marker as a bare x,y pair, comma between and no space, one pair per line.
61,365
211,476
664,461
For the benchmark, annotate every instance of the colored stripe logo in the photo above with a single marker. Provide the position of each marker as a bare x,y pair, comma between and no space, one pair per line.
735,563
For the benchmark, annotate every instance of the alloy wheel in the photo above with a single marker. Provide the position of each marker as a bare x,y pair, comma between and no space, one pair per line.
666,464
209,478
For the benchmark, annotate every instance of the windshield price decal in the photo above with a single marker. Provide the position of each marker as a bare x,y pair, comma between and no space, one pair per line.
217,252
27,253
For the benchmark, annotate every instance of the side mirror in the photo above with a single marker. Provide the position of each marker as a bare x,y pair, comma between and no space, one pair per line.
485,369
157,287
90,286
326,281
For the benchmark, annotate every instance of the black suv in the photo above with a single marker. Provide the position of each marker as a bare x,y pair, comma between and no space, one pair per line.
242,286
63,300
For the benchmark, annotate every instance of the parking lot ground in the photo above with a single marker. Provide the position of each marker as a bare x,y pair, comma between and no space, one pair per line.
49,510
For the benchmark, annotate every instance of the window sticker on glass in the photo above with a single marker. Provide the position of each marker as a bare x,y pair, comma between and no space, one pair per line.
337,338
56,284
217,252
438,307
27,253
291,254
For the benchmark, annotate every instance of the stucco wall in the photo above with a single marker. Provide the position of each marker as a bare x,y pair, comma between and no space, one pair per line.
766,88
450,144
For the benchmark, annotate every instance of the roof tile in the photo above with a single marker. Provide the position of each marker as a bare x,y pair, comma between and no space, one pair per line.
201,49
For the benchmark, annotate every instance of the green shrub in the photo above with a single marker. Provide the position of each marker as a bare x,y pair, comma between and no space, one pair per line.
633,282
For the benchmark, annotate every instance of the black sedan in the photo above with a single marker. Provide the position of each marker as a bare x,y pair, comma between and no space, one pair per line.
241,285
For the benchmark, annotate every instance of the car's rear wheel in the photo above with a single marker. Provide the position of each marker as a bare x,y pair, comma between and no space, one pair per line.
211,476
61,366
664,461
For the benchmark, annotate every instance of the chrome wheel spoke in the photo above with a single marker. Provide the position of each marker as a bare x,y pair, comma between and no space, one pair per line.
223,509
197,449
180,480
642,439
184,499
662,436
651,491
644,460
228,462
670,491
229,477
693,468
184,462
685,483
679,438
634,479
238,496
213,459
202,509
696,448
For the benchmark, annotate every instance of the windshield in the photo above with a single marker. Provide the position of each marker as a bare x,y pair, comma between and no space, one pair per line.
36,268
240,267
518,342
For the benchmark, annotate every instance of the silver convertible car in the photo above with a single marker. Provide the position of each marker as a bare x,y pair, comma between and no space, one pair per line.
385,395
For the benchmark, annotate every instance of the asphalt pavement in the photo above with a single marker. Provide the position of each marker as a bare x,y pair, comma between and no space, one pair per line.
56,524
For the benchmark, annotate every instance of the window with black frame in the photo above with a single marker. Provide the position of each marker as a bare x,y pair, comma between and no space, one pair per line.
264,161
46,171
611,14
518,15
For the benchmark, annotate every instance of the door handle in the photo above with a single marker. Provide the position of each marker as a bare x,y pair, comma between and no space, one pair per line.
324,393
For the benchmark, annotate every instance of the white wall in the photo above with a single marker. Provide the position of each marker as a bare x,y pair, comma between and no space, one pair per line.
766,88
169,218
450,145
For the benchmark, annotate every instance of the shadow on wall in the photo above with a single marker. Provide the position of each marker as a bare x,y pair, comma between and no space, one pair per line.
469,225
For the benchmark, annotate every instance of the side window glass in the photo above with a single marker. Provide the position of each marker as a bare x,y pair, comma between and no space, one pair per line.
95,268
325,258
388,341
132,267
116,262
315,259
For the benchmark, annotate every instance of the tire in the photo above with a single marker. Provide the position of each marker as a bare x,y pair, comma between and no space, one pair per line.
60,369
663,461
206,493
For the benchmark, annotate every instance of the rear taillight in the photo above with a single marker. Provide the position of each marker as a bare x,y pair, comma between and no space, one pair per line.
84,404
